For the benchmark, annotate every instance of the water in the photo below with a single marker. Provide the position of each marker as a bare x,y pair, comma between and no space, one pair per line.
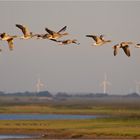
46,116
14,137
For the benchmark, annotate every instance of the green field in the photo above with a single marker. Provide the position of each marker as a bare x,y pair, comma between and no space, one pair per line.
124,120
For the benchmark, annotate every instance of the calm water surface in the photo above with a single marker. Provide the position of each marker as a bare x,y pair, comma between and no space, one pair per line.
46,116
2,137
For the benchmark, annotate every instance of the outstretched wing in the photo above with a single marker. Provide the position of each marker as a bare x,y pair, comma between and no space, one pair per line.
96,39
55,40
63,29
92,36
24,29
126,50
11,44
49,31
116,49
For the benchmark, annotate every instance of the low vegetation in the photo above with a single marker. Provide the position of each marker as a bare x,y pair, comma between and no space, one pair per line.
124,120
75,128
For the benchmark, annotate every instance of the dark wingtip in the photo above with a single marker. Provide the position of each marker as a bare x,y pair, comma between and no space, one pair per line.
17,25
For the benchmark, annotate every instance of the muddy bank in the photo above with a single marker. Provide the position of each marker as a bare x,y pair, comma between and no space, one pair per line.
62,134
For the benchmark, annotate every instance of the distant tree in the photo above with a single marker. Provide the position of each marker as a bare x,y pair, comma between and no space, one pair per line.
133,95
44,93
2,93
101,94
62,94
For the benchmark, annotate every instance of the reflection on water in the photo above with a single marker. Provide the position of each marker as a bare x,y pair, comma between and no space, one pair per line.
46,116
2,137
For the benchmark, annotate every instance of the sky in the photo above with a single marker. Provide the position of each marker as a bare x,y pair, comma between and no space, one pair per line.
69,68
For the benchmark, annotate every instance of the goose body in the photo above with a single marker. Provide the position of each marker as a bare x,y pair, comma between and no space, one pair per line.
68,41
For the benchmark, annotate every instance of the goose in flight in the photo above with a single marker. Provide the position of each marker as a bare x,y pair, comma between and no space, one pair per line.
26,33
55,35
9,39
45,36
68,41
124,46
99,40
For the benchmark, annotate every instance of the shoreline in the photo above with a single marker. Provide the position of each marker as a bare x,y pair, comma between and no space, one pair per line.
58,134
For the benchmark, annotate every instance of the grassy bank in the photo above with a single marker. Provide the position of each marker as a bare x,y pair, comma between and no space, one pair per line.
44,109
111,128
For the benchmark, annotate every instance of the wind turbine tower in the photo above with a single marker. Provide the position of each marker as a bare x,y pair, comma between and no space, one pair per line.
39,85
105,84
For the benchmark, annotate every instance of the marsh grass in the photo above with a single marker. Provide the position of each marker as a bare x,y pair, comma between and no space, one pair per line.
68,110
120,127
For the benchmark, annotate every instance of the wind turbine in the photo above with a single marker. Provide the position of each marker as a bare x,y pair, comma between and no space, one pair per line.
105,84
39,85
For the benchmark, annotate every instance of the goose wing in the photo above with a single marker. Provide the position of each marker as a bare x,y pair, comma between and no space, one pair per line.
95,38
55,40
92,36
3,35
24,29
49,31
116,49
126,50
102,37
62,30
123,44
10,43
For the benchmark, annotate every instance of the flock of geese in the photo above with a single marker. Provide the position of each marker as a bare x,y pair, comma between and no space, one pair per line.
54,36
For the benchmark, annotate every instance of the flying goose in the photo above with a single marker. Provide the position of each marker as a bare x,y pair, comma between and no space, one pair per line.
9,39
68,41
45,36
99,40
124,46
26,33
55,35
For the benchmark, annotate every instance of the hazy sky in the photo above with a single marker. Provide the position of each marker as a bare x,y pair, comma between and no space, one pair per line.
68,68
